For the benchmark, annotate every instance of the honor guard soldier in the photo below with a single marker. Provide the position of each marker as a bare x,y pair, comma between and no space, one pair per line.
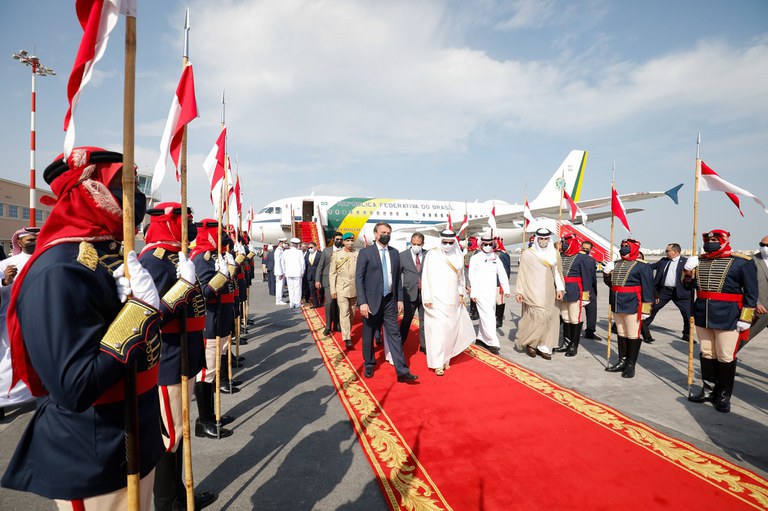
631,298
213,275
234,263
726,297
73,358
578,272
163,259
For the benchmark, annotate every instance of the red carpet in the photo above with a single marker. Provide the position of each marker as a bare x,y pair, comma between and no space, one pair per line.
490,435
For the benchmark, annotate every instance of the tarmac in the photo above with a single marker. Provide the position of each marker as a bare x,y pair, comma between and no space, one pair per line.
293,446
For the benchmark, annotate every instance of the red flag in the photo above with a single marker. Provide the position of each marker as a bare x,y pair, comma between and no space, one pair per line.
618,210
574,208
450,223
250,218
710,181
492,218
527,215
464,222
238,196
98,18
214,164
183,110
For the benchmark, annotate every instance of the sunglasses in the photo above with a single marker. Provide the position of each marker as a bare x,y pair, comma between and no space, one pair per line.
487,244
447,242
764,244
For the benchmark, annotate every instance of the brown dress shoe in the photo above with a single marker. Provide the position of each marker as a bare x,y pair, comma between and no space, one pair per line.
530,351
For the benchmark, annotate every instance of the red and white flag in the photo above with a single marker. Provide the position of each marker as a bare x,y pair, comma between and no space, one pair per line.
450,223
250,218
98,18
527,215
492,218
710,181
574,208
214,166
464,222
618,210
183,110
238,196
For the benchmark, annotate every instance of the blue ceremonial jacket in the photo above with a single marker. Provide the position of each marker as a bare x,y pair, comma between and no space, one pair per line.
627,274
578,266
220,309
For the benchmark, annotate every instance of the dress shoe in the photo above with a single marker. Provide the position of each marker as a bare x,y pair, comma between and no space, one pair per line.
202,500
544,355
327,331
236,382
226,388
368,372
531,351
239,359
407,378
494,349
243,342
649,340
208,430
589,334
227,419
349,344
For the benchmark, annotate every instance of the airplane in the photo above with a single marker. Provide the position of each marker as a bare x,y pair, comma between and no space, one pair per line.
318,217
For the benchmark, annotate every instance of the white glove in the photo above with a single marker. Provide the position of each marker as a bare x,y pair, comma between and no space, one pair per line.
186,269
608,268
645,316
221,266
585,303
230,259
141,285
692,263
239,248
742,325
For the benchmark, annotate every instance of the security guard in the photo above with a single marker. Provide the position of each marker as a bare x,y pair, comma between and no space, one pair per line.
578,271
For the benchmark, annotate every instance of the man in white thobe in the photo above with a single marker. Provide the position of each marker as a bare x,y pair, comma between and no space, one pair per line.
447,328
485,270
279,272
292,262
23,248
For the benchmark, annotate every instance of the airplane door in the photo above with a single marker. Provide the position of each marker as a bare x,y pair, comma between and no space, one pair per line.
286,215
307,210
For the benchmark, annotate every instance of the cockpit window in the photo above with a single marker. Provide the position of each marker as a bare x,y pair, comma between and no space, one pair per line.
278,210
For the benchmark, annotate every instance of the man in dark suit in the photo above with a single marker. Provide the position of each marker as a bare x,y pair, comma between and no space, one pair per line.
761,311
412,261
311,262
322,280
591,308
668,286
271,270
380,297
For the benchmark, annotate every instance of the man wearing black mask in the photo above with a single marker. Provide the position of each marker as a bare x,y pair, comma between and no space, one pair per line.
323,267
591,308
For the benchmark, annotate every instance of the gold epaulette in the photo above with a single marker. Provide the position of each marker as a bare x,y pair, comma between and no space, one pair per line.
218,282
130,327
207,255
585,296
647,308
232,270
240,258
251,255
642,261
742,256
178,294
747,314
87,256
159,252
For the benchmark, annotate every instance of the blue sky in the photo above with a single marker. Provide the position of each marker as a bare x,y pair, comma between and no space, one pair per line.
459,100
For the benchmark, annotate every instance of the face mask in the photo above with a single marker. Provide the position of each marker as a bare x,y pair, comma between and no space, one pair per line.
416,249
139,204
487,249
270,249
29,248
711,246
446,247
384,239
191,231
564,246
587,250
624,251
338,244
764,252
311,250
543,242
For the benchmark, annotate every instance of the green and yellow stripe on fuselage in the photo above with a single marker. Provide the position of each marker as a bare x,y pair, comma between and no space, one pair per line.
351,214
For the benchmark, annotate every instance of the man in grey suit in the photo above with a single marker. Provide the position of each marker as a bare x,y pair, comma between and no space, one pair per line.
412,261
761,311
323,267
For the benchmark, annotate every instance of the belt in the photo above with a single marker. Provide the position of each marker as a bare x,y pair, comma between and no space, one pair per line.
637,290
227,297
193,325
145,381
578,282
723,297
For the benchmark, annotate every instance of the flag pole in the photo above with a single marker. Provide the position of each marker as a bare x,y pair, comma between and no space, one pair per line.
525,201
133,466
693,253
560,207
232,276
610,311
218,304
189,482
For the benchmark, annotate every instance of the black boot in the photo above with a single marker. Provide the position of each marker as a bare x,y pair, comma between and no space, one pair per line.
205,425
709,377
164,490
726,373
228,386
633,350
619,366
565,339
575,338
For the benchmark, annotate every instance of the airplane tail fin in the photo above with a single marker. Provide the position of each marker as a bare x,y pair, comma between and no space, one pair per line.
570,174
672,193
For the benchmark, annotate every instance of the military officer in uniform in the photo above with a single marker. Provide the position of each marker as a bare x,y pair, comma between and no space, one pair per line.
163,259
726,297
213,275
73,329
631,299
578,270
341,277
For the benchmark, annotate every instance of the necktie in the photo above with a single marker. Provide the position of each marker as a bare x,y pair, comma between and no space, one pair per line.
385,271
664,275
418,269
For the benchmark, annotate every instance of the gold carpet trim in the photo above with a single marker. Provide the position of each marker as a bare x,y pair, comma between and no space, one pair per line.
394,464
739,482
